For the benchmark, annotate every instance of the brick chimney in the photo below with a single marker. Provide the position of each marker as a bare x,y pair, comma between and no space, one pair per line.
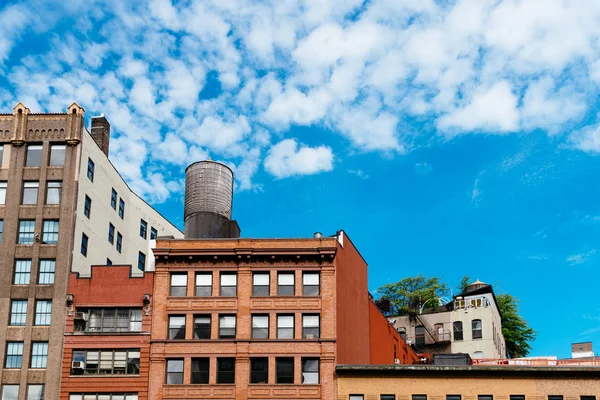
101,132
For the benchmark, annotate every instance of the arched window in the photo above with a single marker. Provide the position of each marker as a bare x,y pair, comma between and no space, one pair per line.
476,325
458,330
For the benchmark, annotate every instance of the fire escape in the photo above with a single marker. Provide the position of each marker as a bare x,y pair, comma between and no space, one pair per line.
424,335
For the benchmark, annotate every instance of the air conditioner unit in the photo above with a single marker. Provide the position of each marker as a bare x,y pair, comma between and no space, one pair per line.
80,316
396,361
309,336
77,365
410,342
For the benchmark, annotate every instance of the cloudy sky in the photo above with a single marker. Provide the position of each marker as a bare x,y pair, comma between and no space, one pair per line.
447,138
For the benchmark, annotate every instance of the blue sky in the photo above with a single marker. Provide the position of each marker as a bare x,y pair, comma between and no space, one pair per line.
448,138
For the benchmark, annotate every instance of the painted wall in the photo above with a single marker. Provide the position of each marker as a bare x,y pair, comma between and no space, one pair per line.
106,177
386,345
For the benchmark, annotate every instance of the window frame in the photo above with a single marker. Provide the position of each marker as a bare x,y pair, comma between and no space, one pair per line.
287,286
87,206
91,166
473,329
36,396
84,244
199,288
222,319
30,186
15,394
114,315
259,375
261,290
176,375
306,329
49,273
39,360
227,287
222,374
198,329
303,365
174,289
52,186
176,332
113,199
306,287
121,211
280,362
3,189
18,315
256,330
143,229
38,148
455,325
111,233
43,316
119,244
292,328
17,273
49,234
26,232
141,261
52,160
12,354
131,366
203,375
153,233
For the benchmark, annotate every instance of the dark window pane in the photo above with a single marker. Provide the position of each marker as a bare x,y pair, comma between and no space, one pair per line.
141,261
90,170
113,199
87,207
153,233
143,228
200,370
225,370
284,370
121,208
476,324
259,370
202,327
458,331
453,397
419,397
388,397
84,244
177,327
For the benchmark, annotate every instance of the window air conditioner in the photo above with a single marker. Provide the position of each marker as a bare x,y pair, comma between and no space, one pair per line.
310,336
80,316
396,361
77,365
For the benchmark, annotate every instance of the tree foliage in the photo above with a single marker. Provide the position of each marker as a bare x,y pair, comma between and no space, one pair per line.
517,332
410,294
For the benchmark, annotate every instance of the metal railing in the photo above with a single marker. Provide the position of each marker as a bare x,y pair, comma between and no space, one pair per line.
537,362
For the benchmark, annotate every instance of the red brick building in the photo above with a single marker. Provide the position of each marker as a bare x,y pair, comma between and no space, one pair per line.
107,335
262,318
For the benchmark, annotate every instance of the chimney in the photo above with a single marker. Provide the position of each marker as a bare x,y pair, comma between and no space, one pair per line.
101,132
209,201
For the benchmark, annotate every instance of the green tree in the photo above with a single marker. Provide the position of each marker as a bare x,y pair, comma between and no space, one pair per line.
516,330
410,294
464,282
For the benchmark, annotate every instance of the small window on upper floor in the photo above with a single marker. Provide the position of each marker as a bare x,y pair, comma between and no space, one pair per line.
143,228
87,207
57,155
555,397
310,284
153,233
176,326
1,154
388,397
84,244
477,331
228,284
356,397
121,208
108,261
453,397
34,156
204,284
119,242
54,192
90,170
111,233
26,231
3,185
227,325
35,392
50,231
285,284
178,285
310,371
1,229
141,261
458,330
30,192
419,397
260,284
175,371
113,199
586,398
522,397
284,370
485,397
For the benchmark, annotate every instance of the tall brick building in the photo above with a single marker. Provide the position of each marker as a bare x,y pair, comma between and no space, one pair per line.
63,206
263,318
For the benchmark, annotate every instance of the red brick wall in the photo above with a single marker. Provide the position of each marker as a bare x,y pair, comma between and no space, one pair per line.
383,339
108,286
352,304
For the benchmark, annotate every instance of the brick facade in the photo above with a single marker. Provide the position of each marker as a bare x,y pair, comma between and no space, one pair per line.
108,287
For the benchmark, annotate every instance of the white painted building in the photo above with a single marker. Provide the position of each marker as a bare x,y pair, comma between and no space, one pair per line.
470,324
113,225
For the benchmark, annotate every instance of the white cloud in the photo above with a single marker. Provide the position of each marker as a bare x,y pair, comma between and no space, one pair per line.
287,158
587,139
580,258
490,109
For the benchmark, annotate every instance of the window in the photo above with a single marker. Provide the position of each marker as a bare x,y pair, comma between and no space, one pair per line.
284,370
57,155
54,192
260,284
175,371
90,170
10,392
143,228
178,285
47,268
111,233
114,320
522,397
119,242
310,371
202,326
113,199
285,327
225,370
310,326
35,392
357,397
50,232
226,326
204,284
285,284
476,325
18,312
176,326
14,355
121,208
419,397
153,233
458,330
388,397
108,261
453,397
485,397
200,370
2,192
582,398
419,335
87,207
34,156
228,285
108,362
103,396
43,312
310,284
22,272
84,244
30,192
1,229
1,154
260,327
39,354
141,261
556,397
259,370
